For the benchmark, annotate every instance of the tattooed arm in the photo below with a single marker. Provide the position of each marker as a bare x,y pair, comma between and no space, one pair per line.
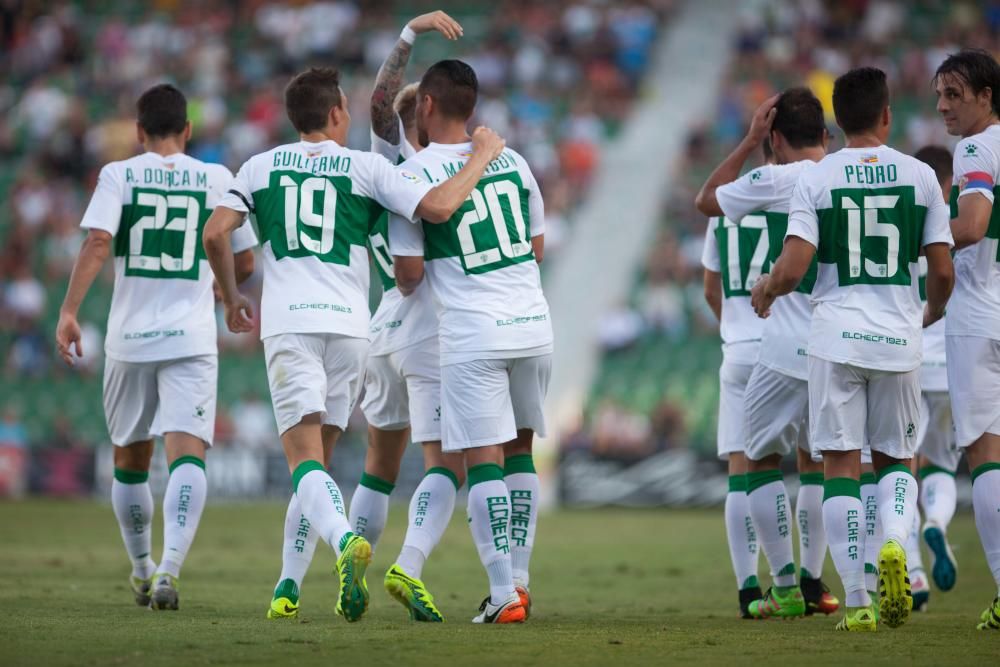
390,76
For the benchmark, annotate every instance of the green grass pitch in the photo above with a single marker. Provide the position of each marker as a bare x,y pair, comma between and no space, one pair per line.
613,587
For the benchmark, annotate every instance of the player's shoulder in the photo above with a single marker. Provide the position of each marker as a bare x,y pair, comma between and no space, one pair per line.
986,145
216,172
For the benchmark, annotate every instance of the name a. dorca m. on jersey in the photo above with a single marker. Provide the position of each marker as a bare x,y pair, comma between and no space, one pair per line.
170,177
315,164
870,174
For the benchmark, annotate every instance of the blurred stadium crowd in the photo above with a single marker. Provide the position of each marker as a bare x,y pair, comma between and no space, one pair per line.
557,80
658,384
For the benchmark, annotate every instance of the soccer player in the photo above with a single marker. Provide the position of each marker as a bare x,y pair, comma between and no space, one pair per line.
403,379
162,355
494,331
315,203
865,212
968,89
776,402
938,456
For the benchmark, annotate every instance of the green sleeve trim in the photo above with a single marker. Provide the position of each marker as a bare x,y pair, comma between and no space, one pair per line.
439,470
131,476
888,470
867,478
377,484
304,469
178,462
755,480
484,472
518,463
737,483
986,467
934,470
841,486
815,478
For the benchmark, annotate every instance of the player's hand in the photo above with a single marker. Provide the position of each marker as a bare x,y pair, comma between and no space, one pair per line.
931,317
487,142
439,21
763,118
239,315
759,297
68,335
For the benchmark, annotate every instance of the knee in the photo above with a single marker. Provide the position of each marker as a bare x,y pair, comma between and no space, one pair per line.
136,456
521,444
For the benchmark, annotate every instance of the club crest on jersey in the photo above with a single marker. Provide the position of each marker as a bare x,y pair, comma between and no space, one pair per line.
970,150
869,159
169,166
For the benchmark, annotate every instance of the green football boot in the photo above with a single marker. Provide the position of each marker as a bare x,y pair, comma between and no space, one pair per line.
412,594
990,619
355,557
895,596
779,602
861,619
285,603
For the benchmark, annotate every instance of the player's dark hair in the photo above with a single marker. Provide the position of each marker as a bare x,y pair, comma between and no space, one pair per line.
978,69
859,98
798,116
453,86
162,111
937,158
310,96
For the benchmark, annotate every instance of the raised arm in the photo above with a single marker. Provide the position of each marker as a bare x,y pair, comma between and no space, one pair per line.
389,81
729,170
441,202
95,251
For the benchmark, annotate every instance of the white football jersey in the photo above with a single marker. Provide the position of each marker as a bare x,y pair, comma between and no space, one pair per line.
761,197
156,207
934,368
315,205
974,307
868,212
399,321
739,253
480,264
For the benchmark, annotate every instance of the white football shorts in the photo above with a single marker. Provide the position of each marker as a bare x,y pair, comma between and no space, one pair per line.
777,413
403,388
733,378
849,406
314,373
974,384
486,402
149,398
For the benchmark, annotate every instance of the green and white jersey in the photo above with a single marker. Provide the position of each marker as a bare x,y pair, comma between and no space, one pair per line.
758,198
480,264
934,367
398,321
868,212
156,207
974,307
315,205
739,253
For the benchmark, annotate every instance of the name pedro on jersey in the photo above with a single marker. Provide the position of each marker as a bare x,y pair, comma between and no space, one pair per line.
866,174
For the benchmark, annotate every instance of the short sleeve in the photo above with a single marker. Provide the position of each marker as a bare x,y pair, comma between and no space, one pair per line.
536,205
975,168
710,252
397,188
239,197
405,238
937,223
105,209
243,237
803,220
750,193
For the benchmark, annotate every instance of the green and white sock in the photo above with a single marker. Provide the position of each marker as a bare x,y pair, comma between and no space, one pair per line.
298,546
431,507
489,521
524,488
938,496
740,531
873,530
986,505
183,503
321,502
132,501
812,534
897,501
370,507
843,517
772,518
